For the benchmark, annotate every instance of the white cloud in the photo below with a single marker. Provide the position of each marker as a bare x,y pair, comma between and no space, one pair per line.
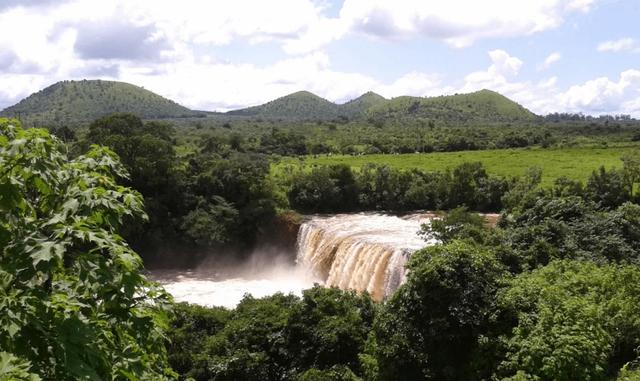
496,77
621,45
602,95
596,96
550,60
224,86
414,83
171,49
458,22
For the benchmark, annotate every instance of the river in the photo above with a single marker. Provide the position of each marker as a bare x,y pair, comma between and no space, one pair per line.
360,251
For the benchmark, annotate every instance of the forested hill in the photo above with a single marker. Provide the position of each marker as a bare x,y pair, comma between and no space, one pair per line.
73,103
358,107
78,102
301,105
304,105
484,106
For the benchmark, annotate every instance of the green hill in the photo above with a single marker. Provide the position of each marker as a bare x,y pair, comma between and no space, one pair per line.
484,106
301,105
358,107
77,102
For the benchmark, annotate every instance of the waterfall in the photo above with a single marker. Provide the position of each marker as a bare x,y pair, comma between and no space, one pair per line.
361,252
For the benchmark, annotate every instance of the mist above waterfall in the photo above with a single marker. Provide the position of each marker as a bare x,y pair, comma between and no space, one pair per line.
361,252
225,284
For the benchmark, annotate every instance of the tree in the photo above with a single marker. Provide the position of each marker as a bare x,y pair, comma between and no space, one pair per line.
458,223
329,327
147,152
73,303
226,199
570,320
524,192
336,373
570,228
631,169
609,189
430,327
324,189
251,346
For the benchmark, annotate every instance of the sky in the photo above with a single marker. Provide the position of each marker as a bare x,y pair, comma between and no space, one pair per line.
217,55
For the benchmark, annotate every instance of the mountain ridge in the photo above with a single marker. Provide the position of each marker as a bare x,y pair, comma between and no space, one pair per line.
78,102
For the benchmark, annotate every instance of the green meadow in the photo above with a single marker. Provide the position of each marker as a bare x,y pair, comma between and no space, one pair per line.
576,163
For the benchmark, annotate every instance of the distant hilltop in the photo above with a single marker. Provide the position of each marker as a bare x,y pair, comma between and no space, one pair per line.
80,102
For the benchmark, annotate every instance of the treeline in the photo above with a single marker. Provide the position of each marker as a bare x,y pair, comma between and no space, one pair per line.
551,293
564,116
364,137
339,188
218,195
213,198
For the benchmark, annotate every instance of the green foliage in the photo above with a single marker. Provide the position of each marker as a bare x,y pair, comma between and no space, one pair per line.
212,197
301,105
570,320
358,107
73,304
283,143
429,327
226,198
73,103
483,106
146,149
329,327
191,328
324,189
338,189
211,223
524,192
570,228
147,152
574,163
457,223
609,189
318,337
13,368
628,375
335,373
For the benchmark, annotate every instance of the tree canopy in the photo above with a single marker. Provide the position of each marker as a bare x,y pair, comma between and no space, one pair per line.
73,303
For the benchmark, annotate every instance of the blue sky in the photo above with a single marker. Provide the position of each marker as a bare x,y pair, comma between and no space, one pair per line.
549,55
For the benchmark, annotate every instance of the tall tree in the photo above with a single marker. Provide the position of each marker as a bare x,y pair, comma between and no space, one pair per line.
73,303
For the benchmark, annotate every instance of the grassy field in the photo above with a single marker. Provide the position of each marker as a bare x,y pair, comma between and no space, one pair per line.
576,163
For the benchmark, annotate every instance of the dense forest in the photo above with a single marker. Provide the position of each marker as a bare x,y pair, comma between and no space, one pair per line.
550,292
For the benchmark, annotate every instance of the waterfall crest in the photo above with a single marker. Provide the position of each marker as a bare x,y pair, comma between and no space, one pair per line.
361,252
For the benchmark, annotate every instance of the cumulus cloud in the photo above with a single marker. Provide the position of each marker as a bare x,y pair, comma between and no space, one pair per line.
496,77
596,96
170,48
118,39
458,22
603,95
550,60
414,83
621,45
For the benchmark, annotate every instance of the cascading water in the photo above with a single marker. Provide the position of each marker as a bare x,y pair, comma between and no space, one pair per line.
362,252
